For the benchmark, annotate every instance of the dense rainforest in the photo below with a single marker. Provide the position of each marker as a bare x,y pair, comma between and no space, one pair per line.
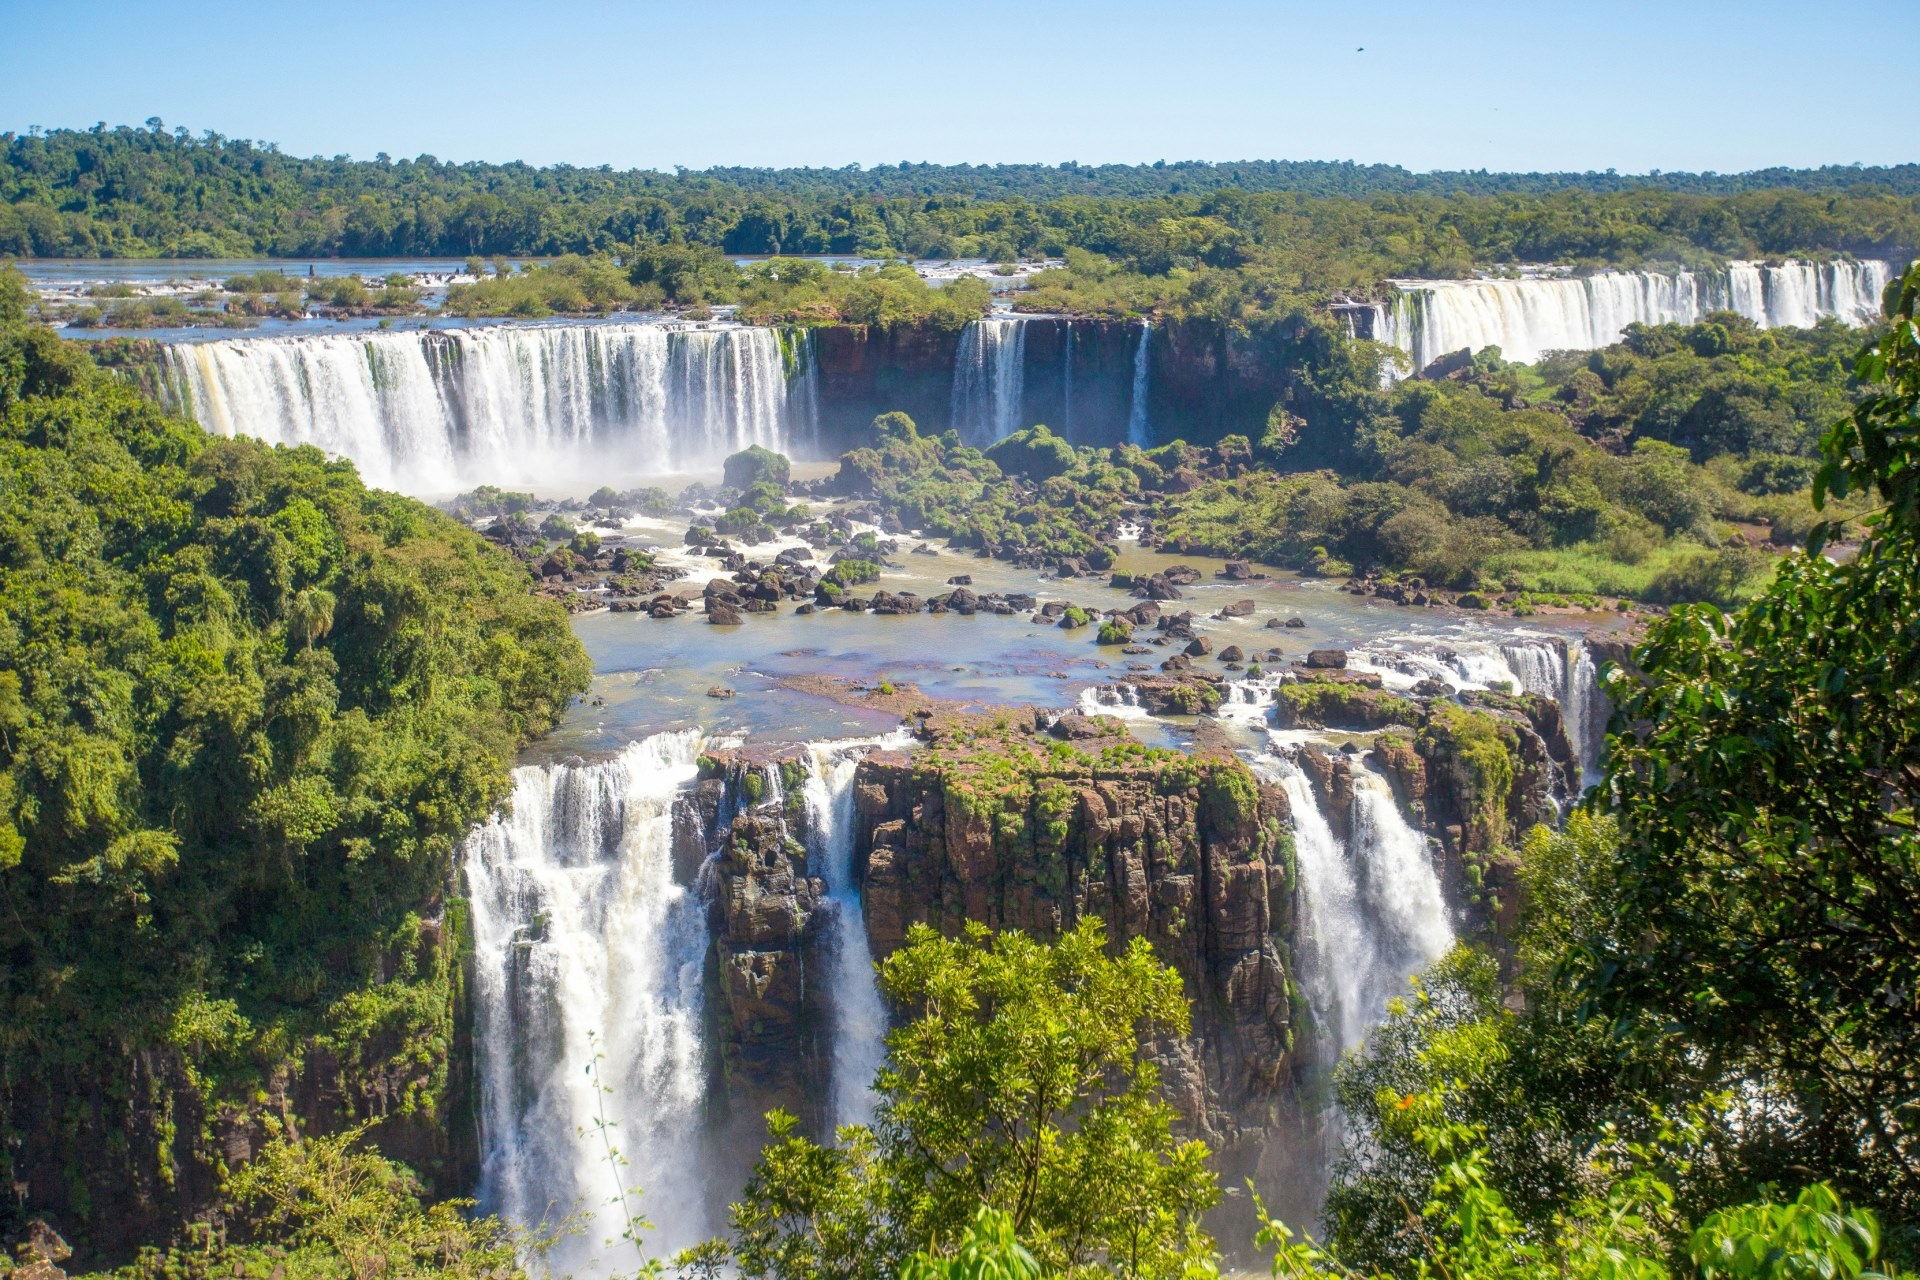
148,192
247,707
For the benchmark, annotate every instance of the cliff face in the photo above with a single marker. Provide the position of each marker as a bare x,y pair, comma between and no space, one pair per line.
1205,379
1017,832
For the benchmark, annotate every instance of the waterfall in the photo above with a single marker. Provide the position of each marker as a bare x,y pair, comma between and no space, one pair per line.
803,388
1371,910
1121,700
579,931
1139,432
989,377
859,1017
1528,317
433,411
1066,382
1538,666
1587,709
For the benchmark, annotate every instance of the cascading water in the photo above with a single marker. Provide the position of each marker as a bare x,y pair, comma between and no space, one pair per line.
989,378
1067,341
1371,910
1139,430
1529,317
582,936
859,1017
430,412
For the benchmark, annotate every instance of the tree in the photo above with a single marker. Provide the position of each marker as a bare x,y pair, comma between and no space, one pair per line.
1020,1083
754,464
1765,769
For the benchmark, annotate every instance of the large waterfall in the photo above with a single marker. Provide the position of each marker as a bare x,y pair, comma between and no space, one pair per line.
1139,431
1528,317
989,379
433,411
584,942
1371,909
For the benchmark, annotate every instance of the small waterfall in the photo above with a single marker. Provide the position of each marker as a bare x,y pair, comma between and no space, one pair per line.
989,378
1139,431
803,387
859,1016
1066,381
1121,700
1538,666
1371,910
579,931
1587,709
1528,317
432,411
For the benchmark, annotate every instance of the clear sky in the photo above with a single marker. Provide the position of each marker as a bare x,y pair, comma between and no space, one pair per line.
1547,84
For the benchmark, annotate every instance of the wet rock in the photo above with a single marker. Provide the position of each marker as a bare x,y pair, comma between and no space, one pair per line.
1178,662
1296,622
960,580
1238,609
1236,571
722,614
719,691
1232,653
1199,647
1327,659
1182,575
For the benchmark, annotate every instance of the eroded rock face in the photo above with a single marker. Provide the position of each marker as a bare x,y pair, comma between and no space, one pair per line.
1189,855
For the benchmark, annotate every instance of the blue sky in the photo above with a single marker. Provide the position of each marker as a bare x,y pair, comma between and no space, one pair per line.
1552,84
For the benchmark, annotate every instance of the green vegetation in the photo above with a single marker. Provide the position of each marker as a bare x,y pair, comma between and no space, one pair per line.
247,707
1019,1082
1191,227
754,465
1697,1057
571,286
1656,469
801,292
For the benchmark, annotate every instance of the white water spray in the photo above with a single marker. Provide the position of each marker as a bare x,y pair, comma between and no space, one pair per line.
430,412
581,932
1139,430
1372,913
1528,317
859,1016
989,379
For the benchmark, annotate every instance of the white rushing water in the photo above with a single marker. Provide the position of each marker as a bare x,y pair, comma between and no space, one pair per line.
859,1015
989,379
1528,317
1371,910
582,936
1139,430
431,412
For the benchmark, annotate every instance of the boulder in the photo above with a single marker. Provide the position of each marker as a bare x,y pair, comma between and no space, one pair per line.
1327,659
722,614
1238,609
1232,653
1199,647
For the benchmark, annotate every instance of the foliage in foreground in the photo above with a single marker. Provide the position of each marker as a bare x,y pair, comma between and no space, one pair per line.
1714,997
247,708
1019,1083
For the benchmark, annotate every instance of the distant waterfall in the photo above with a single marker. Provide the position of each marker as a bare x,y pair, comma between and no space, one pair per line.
989,379
1067,341
1371,910
1526,318
859,1016
433,411
579,927
1138,430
